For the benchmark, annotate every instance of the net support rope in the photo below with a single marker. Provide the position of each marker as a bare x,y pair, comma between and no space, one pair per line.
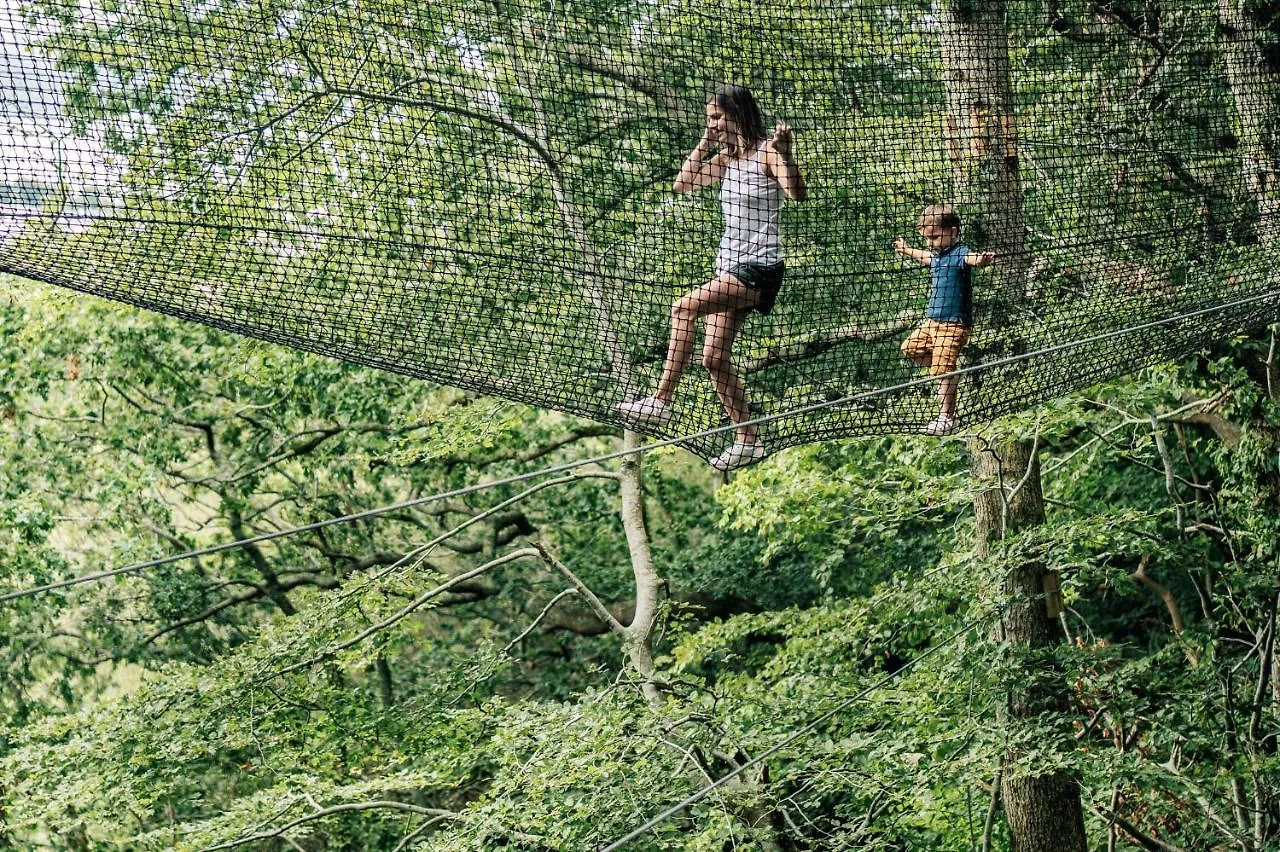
619,454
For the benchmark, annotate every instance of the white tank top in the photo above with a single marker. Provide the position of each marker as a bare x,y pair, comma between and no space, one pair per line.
752,205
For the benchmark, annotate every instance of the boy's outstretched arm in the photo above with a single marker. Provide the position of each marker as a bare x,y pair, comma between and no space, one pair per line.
980,259
920,256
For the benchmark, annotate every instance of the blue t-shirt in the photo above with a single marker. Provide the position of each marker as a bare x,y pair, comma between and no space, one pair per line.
950,287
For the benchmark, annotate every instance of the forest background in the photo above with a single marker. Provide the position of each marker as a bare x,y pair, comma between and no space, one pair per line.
545,665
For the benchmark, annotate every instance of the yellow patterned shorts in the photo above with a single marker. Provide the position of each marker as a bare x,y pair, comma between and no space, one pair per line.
937,345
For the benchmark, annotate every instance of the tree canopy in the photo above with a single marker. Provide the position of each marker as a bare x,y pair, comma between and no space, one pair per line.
548,664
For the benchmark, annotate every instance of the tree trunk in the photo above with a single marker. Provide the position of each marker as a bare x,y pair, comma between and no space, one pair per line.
1254,87
982,142
1043,811
639,633
981,137
750,807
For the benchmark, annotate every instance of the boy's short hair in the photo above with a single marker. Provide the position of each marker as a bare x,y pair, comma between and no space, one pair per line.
942,215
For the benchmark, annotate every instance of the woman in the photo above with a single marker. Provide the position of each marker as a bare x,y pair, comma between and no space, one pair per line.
755,172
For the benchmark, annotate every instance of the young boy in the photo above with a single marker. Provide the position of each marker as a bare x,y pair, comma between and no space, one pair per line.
948,316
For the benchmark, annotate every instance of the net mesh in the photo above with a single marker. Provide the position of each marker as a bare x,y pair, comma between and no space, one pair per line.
481,194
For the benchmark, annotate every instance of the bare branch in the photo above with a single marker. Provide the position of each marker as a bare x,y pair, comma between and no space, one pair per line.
1143,839
417,603
635,79
164,412
839,336
1265,657
426,549
601,611
578,433
546,609
514,128
1170,602
346,807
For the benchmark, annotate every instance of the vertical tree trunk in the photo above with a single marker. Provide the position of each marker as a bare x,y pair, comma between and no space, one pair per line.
1256,90
1043,811
751,808
639,633
983,146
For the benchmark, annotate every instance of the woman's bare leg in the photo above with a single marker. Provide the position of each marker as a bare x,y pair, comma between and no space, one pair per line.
717,348
722,293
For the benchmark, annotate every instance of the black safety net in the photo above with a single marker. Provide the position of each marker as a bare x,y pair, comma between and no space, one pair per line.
483,194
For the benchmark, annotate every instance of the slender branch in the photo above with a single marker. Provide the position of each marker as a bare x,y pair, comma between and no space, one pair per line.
546,609
1264,673
518,131
1143,839
255,593
425,550
1272,366
601,611
1031,468
993,808
591,430
1170,602
417,602
330,811
205,428
319,437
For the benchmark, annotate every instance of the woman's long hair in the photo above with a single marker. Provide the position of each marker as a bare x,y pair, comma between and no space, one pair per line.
739,105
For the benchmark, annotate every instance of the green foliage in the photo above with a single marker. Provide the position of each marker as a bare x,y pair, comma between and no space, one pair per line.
307,689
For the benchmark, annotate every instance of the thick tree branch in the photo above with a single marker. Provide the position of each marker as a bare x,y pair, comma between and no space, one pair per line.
701,607
1170,602
839,336
163,412
514,128
636,79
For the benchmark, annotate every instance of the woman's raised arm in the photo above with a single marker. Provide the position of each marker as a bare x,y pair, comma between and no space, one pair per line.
698,172
782,167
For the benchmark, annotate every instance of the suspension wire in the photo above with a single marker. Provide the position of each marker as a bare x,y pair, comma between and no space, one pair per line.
703,792
624,453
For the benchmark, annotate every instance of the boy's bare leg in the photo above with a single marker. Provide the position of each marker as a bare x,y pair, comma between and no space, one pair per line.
947,386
